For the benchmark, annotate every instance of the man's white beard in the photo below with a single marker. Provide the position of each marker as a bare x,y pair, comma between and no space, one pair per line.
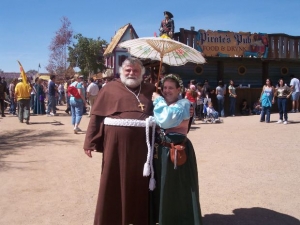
130,81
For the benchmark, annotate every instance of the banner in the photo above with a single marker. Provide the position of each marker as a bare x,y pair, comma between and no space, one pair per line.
23,74
231,44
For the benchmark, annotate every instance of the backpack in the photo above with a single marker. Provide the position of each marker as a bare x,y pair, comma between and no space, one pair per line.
74,91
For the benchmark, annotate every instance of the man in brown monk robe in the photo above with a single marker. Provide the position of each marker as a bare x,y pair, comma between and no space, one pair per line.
114,131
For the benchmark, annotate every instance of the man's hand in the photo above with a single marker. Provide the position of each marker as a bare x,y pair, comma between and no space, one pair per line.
88,152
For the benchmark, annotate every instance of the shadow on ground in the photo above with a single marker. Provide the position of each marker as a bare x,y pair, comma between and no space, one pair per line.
19,140
251,216
55,123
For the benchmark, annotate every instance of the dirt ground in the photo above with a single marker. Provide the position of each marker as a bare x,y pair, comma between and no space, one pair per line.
249,172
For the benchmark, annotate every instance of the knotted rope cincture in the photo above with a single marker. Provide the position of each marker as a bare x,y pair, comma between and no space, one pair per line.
149,122
148,166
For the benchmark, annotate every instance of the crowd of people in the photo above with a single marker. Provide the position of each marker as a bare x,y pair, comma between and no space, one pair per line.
42,97
46,95
201,95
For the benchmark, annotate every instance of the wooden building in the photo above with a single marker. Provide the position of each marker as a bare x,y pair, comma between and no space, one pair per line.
114,55
244,62
248,59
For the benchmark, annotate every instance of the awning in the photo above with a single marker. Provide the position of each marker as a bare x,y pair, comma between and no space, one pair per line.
44,77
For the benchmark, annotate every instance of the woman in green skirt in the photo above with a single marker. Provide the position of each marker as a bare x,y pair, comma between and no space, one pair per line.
176,197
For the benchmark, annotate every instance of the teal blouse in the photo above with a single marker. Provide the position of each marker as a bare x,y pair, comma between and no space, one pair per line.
168,116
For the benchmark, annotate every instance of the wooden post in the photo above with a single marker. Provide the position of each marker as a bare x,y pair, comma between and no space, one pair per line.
296,44
220,75
182,36
276,49
152,75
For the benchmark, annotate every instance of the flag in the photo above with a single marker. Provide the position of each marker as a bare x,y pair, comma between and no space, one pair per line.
23,74
39,65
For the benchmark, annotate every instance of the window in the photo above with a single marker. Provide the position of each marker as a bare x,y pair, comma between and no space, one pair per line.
122,59
284,70
198,69
242,70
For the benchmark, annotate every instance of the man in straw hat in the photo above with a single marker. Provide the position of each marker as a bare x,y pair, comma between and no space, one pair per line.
107,76
117,129
167,25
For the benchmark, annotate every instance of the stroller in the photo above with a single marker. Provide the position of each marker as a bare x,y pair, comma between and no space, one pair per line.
210,115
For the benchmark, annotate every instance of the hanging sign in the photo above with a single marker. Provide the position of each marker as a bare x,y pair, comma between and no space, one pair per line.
230,44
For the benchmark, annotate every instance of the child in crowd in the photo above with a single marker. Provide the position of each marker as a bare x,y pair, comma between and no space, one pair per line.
245,109
211,111
199,107
257,107
192,95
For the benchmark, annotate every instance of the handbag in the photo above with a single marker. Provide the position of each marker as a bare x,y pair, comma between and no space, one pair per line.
74,91
177,153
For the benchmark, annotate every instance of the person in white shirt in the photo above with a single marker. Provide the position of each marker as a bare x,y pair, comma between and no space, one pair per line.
61,93
295,86
92,92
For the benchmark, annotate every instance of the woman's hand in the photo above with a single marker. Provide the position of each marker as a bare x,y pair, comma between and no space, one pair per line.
155,96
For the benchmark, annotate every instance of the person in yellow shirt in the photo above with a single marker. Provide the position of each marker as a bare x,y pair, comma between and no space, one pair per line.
22,93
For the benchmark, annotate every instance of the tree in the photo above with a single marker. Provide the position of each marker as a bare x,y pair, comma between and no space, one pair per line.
58,48
87,54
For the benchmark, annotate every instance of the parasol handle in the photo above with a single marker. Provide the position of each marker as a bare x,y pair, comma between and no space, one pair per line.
160,64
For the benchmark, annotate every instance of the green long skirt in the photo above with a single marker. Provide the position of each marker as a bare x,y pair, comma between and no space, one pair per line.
175,199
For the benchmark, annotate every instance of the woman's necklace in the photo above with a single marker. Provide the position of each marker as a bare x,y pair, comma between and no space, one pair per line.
140,105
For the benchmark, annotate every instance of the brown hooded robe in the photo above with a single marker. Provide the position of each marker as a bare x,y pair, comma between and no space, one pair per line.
124,192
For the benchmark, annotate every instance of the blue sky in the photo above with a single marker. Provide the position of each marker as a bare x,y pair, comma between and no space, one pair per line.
27,26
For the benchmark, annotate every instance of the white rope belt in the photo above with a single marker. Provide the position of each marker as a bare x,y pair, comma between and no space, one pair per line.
127,122
149,122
